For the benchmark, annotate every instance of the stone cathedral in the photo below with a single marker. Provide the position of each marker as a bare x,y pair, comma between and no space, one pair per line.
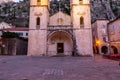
60,34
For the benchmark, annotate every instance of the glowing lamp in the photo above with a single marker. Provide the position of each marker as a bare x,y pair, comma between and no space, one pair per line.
98,42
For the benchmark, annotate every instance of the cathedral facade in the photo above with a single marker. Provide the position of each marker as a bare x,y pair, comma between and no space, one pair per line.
60,34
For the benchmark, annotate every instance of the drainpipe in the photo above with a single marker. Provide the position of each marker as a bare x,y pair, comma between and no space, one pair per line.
109,43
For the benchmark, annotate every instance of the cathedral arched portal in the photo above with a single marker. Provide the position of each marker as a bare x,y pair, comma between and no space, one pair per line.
59,43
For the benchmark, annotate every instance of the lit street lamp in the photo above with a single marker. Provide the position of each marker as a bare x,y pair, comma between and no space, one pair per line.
98,42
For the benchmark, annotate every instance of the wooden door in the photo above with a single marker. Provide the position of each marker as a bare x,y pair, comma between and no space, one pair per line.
60,47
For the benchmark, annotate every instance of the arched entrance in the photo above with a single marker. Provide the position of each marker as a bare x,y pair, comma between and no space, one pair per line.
104,49
114,50
59,43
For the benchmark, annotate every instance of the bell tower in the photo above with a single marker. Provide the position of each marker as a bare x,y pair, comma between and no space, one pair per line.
81,20
39,16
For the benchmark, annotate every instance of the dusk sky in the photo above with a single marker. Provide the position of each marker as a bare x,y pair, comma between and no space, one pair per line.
16,0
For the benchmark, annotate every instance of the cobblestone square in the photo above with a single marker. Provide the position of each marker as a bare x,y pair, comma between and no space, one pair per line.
58,68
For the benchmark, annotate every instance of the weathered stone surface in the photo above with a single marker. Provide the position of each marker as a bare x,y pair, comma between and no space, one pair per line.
40,43
58,68
14,46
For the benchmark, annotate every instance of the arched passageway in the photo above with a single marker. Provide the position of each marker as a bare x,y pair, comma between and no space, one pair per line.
104,49
59,43
114,50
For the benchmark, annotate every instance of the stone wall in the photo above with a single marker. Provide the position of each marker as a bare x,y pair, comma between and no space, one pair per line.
114,35
21,47
13,46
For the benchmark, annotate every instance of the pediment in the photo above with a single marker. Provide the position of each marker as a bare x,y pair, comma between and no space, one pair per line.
60,18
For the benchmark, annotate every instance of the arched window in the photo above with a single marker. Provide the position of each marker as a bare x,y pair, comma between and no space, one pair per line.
38,23
104,49
114,49
82,22
80,1
38,2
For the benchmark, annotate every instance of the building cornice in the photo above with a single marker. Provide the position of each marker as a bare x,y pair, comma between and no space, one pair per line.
38,5
80,4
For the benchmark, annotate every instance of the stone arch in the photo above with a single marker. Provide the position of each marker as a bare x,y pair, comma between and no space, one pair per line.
104,49
114,49
53,32
59,37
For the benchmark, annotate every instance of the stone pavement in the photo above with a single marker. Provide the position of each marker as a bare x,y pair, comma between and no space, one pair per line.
58,68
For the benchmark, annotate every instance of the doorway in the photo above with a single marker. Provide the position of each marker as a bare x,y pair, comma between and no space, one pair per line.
59,43
104,49
60,47
114,50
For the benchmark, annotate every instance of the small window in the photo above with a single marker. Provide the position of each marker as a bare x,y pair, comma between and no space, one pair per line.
81,22
20,34
38,2
26,34
38,23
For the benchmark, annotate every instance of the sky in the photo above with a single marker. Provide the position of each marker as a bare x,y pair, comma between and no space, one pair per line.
16,0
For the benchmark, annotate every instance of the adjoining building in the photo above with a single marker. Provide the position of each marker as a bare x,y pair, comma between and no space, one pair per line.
100,36
60,34
4,25
106,36
22,32
114,35
13,46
